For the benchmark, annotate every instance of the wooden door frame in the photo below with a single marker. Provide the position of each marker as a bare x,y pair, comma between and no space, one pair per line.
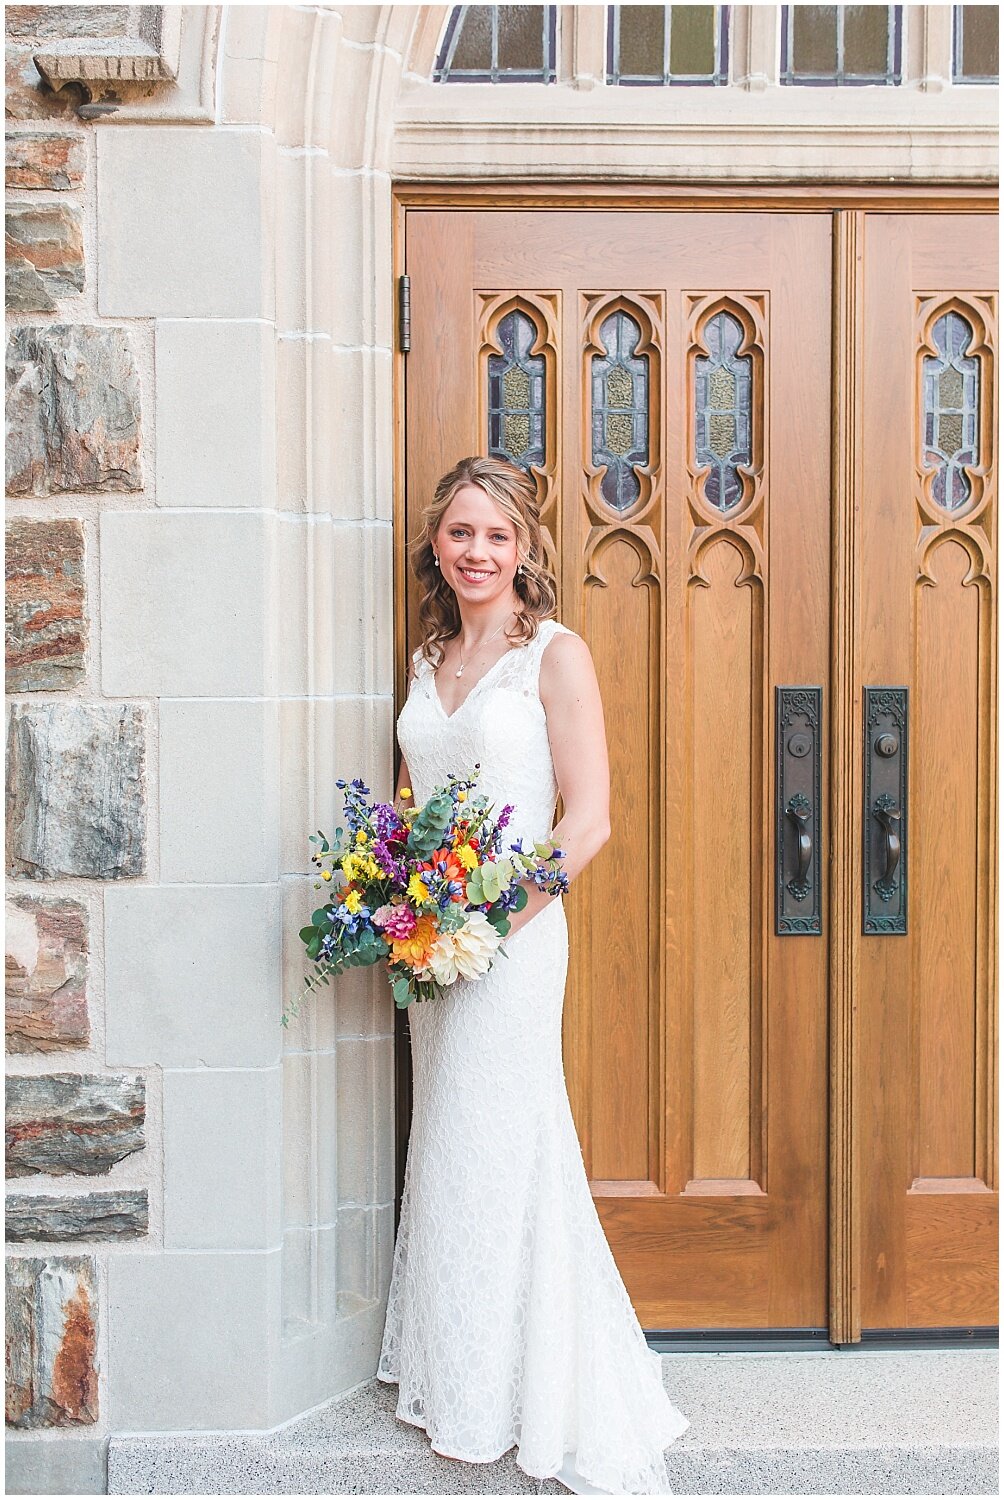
847,203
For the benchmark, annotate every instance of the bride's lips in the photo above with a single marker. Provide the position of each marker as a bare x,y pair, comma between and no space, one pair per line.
484,579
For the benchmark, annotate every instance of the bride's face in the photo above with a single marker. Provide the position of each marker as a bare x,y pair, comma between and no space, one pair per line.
476,546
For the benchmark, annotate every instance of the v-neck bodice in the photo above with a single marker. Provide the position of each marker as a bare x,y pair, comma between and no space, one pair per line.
501,723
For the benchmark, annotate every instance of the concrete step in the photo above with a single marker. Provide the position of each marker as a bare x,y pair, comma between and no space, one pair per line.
834,1422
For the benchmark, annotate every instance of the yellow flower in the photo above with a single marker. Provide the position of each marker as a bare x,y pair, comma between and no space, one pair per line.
349,866
467,857
406,791
353,901
461,796
325,874
417,889
362,837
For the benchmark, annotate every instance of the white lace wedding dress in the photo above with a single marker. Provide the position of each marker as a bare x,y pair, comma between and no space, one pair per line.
507,1319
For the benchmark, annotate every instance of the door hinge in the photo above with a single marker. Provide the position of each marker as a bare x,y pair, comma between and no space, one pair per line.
404,313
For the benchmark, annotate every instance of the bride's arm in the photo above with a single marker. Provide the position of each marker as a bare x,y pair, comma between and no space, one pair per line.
570,694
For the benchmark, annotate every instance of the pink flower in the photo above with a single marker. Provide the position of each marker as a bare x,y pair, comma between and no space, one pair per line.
397,921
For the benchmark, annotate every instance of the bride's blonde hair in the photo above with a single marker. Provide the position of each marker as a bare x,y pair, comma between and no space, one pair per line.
514,492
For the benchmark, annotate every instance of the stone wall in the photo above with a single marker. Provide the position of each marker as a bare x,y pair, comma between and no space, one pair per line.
199,626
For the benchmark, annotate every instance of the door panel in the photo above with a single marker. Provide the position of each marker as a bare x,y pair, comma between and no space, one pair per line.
684,360
927,995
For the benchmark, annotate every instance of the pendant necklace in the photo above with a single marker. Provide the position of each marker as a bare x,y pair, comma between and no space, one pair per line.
460,670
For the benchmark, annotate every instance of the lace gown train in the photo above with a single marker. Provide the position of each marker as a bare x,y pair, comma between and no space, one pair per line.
507,1318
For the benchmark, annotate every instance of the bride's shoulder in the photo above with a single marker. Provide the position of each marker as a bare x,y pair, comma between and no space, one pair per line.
564,652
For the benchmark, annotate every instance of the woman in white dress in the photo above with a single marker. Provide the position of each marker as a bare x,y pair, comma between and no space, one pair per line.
507,1318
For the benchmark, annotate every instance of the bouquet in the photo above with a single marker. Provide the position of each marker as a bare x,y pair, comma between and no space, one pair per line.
426,888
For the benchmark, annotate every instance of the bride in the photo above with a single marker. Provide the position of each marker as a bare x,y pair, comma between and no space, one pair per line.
507,1319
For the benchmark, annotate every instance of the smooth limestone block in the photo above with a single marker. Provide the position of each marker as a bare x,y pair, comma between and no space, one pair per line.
76,795
73,1466
192,976
45,605
190,1340
222,1131
219,790
52,1378
184,603
365,1114
215,412
47,948
63,1123
206,250
73,407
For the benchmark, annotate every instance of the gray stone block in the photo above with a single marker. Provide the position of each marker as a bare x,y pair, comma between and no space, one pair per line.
45,255
69,1466
72,1122
73,410
120,1215
52,1378
75,790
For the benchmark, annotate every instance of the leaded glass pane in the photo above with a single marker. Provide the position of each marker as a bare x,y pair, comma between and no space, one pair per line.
474,40
516,394
657,44
951,410
814,39
692,41
835,44
620,409
642,40
723,401
866,39
977,43
498,44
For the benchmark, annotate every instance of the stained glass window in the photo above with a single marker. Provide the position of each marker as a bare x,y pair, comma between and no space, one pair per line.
951,410
498,44
975,43
655,44
516,394
835,44
723,401
620,409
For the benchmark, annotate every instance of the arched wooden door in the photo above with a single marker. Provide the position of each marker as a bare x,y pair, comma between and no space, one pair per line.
668,378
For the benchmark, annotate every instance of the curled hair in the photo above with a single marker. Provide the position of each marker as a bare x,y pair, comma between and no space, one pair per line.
514,493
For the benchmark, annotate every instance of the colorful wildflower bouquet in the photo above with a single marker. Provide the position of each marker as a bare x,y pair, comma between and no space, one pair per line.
426,888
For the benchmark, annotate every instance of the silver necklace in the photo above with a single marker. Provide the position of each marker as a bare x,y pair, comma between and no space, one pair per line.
460,670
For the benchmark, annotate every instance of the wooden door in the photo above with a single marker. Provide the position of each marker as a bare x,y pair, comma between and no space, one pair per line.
682,365
927,1033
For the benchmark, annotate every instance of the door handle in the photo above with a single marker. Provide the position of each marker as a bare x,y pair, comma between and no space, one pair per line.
798,811
889,817
884,842
798,829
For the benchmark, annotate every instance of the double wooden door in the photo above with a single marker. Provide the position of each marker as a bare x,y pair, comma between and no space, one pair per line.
763,448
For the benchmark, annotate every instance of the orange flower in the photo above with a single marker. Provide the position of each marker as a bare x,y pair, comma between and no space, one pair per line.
455,869
415,949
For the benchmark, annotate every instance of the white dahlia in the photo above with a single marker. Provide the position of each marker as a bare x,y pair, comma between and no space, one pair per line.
466,953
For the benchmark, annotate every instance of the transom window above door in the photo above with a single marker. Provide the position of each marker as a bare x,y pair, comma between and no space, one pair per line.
498,44
675,44
841,44
975,43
